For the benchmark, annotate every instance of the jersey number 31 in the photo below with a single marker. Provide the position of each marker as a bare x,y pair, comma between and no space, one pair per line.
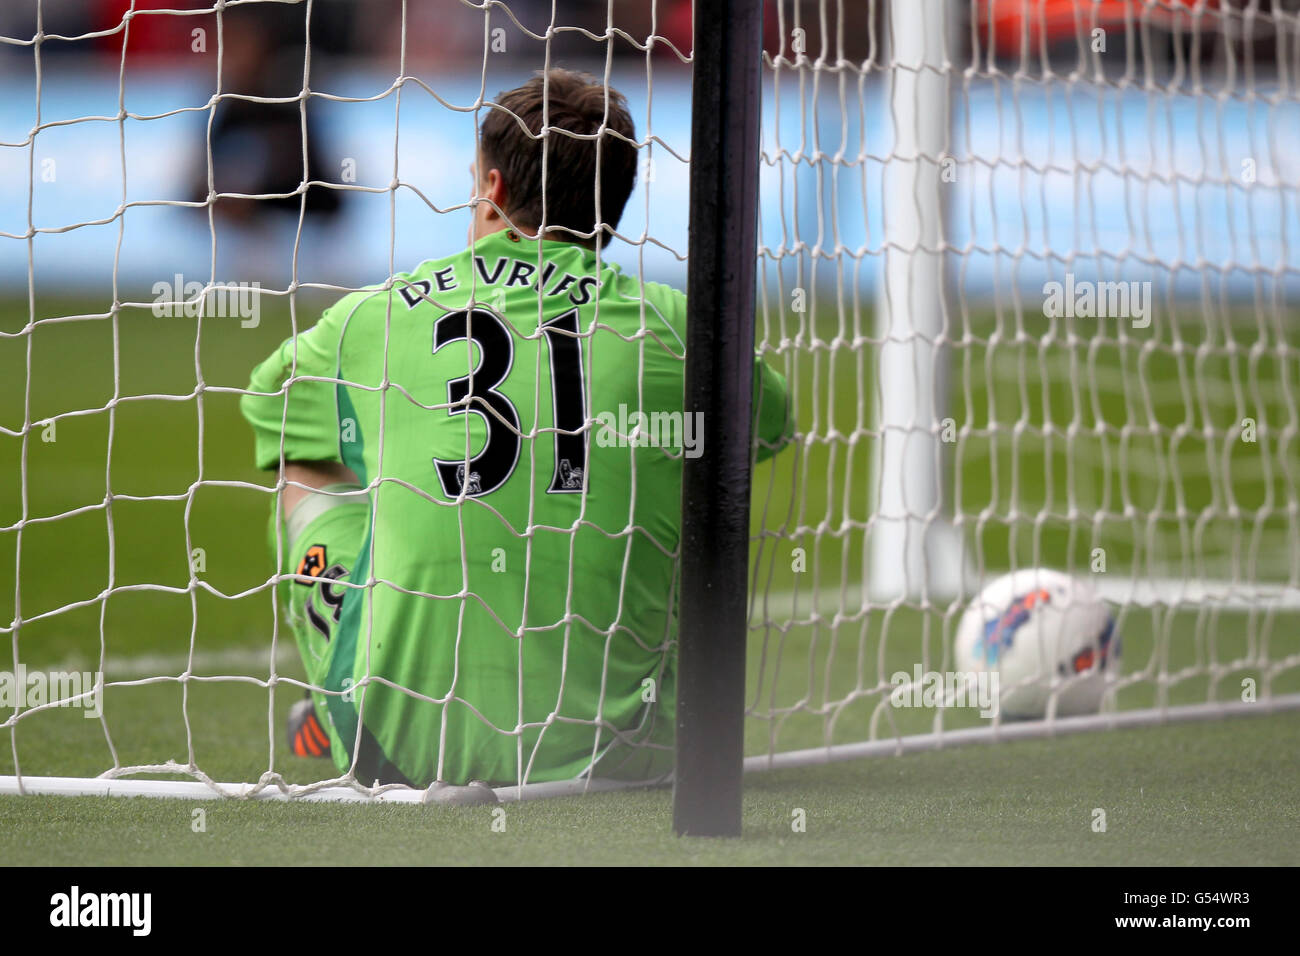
476,394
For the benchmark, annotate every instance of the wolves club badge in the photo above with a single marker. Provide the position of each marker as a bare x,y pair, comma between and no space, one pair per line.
312,564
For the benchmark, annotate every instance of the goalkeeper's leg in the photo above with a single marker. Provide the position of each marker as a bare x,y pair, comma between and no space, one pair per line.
319,540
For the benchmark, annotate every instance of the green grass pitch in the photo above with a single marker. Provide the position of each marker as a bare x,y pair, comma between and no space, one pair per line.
1203,794
1217,792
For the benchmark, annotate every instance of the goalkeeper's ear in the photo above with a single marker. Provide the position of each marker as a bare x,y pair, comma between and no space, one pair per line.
493,188
491,197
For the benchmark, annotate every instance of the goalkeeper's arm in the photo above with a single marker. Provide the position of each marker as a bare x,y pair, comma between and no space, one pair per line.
773,416
313,474
292,405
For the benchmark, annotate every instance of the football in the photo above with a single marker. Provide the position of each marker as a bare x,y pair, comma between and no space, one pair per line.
1045,634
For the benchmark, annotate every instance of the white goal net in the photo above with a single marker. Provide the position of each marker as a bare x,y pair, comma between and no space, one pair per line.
1028,267
1048,254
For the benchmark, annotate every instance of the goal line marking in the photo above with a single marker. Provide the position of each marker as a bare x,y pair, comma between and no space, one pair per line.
1172,593
780,606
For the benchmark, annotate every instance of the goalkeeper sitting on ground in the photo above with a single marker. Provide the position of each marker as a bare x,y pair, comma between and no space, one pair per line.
482,586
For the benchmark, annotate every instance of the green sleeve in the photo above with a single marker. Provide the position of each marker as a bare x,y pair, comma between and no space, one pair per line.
773,420
305,414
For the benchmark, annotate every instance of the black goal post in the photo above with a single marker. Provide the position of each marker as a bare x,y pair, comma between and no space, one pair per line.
720,289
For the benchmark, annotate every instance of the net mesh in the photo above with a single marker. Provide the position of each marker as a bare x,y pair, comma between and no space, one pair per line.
944,185
1032,278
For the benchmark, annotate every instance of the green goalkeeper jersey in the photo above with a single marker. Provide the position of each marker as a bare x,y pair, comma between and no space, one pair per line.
516,412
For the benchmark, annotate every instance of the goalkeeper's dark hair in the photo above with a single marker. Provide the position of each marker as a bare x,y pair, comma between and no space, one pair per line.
578,103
